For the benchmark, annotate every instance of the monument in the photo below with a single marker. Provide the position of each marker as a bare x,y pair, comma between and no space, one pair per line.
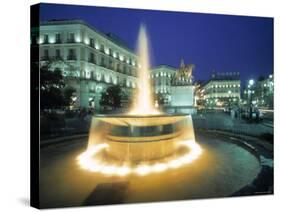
182,90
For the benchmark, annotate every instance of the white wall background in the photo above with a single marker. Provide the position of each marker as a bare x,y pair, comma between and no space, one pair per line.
14,94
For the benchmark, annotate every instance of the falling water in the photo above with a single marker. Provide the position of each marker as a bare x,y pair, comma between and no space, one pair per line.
143,102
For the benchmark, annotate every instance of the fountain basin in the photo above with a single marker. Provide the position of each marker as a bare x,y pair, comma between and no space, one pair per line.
142,139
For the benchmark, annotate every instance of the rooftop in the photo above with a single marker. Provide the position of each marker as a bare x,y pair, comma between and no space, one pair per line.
164,66
110,36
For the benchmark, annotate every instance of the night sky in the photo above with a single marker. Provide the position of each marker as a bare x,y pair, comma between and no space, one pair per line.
211,42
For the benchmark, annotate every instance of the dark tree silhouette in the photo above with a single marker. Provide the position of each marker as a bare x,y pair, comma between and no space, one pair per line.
68,94
53,93
112,97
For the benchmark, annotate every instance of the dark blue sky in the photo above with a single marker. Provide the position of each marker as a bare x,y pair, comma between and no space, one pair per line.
212,42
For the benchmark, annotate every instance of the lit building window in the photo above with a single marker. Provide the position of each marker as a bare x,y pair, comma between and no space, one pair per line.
106,50
88,74
86,40
97,46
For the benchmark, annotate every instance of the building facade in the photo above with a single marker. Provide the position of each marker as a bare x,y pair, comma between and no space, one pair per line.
260,93
222,90
161,78
89,59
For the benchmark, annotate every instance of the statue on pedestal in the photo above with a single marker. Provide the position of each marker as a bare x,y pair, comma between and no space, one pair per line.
184,75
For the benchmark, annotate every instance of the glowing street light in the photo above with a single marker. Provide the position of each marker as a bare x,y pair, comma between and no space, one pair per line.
251,82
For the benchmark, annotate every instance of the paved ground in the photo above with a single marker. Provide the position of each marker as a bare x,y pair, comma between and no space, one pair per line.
223,169
223,121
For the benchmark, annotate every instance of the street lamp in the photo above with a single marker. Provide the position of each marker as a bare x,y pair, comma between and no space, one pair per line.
251,83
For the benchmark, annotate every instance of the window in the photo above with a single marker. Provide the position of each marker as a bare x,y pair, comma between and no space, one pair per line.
102,48
110,64
110,51
118,67
92,42
125,69
71,54
58,38
71,38
103,61
46,39
92,58
58,55
92,75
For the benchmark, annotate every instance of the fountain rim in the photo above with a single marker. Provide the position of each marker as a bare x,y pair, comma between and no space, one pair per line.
141,116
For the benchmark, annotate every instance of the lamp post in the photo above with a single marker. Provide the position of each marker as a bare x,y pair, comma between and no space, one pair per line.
229,98
250,86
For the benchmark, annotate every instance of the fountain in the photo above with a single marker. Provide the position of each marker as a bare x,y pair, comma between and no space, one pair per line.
143,141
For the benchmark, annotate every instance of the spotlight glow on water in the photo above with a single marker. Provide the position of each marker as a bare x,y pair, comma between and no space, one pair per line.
88,161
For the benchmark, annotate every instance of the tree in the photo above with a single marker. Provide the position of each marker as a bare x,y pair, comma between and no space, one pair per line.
53,93
68,94
111,97
51,84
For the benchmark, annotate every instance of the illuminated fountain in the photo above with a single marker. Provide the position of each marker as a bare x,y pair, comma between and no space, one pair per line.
143,141
143,103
